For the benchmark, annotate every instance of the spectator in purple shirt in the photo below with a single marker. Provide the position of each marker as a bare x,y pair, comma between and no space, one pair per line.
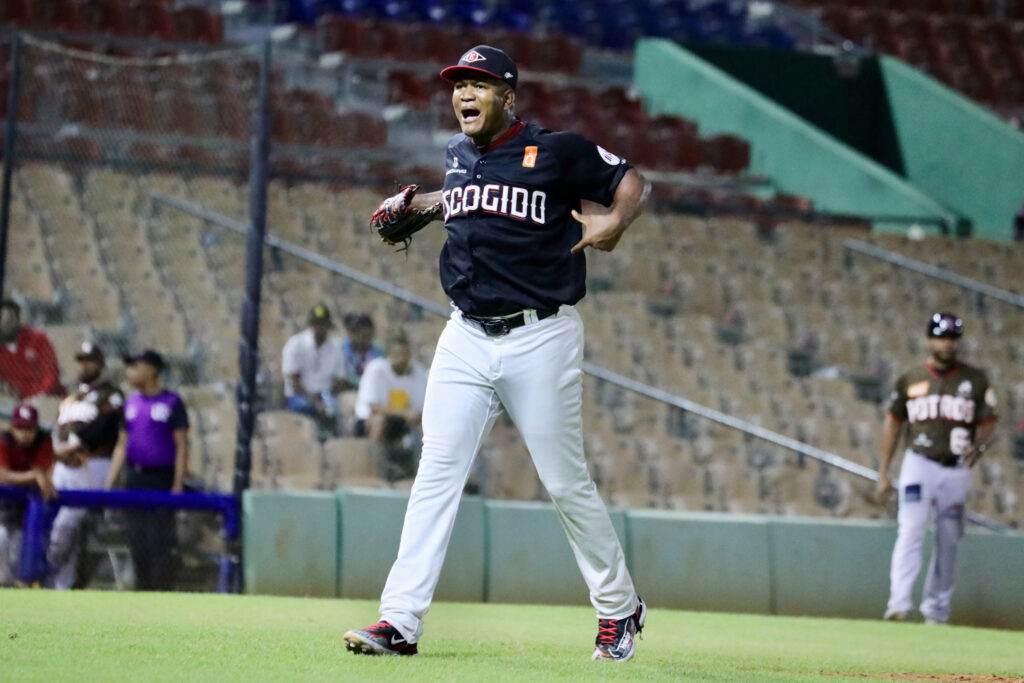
153,451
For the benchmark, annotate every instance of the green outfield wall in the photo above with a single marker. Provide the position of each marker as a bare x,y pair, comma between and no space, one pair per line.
796,155
957,151
342,544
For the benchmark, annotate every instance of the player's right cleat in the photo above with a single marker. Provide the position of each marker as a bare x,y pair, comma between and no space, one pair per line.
894,615
616,638
380,639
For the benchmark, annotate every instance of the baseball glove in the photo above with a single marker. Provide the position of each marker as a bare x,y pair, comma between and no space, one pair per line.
394,220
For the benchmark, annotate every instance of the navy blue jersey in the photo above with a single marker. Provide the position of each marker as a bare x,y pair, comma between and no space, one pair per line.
508,213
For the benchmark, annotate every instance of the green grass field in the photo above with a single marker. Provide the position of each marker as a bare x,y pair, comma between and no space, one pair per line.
106,636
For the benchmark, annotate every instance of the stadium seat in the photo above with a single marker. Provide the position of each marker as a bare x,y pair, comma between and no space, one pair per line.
198,24
153,19
105,16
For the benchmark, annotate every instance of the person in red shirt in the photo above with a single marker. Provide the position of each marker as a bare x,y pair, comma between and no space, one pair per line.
26,459
28,364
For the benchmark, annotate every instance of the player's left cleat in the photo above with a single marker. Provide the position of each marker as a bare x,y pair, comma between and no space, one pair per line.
380,639
616,638
894,615
928,621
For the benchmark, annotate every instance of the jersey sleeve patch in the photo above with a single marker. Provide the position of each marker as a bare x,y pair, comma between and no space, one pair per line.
917,390
608,157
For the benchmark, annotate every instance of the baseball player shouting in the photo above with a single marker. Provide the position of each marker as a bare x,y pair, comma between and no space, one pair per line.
513,266
947,410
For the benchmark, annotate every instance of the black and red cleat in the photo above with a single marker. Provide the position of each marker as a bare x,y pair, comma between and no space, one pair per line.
616,638
380,639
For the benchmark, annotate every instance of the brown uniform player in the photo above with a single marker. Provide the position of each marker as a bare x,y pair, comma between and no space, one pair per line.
947,410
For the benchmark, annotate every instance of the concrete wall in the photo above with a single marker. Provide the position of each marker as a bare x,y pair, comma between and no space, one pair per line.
799,157
956,150
343,543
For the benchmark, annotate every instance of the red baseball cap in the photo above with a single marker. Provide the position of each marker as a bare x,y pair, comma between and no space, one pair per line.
483,59
25,416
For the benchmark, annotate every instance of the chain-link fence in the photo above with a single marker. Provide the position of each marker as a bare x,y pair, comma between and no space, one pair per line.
98,271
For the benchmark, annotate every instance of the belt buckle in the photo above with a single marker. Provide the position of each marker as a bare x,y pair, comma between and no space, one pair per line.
496,327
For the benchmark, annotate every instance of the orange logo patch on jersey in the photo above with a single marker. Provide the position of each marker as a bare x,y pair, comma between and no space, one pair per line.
530,157
917,390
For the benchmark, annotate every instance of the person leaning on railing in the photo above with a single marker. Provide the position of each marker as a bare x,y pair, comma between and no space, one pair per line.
26,459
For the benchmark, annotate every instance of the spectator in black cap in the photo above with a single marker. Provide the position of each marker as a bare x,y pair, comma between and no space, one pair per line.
314,370
88,422
152,448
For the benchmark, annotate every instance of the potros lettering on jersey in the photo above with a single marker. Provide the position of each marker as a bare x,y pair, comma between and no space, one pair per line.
501,200
940,407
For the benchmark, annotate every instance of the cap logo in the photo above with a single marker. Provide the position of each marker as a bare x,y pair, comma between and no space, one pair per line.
25,413
530,157
473,56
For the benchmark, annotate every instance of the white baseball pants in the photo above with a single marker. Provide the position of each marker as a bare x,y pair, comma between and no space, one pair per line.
535,373
926,487
64,546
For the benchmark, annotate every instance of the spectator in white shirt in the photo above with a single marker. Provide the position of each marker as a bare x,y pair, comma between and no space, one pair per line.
314,370
389,406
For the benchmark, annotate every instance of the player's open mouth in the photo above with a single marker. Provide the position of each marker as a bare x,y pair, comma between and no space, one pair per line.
470,115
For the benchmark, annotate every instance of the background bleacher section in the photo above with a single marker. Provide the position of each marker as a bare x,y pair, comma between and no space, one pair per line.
773,322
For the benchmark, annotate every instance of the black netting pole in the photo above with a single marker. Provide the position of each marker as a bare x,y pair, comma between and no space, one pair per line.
10,134
248,347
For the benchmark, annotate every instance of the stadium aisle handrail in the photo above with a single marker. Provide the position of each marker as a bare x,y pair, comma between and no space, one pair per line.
598,372
936,272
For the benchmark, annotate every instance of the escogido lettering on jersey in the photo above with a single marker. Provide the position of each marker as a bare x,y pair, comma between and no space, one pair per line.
944,407
504,200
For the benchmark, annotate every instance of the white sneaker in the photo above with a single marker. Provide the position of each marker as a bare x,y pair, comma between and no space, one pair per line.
894,615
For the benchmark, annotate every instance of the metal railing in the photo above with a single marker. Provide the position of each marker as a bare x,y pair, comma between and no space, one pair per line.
936,272
595,371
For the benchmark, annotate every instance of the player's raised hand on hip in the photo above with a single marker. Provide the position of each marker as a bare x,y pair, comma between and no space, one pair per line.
601,231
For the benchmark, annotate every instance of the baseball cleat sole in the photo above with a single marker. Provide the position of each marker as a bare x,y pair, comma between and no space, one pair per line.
359,644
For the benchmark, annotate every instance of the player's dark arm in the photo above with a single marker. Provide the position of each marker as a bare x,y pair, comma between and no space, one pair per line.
890,438
982,436
424,200
603,231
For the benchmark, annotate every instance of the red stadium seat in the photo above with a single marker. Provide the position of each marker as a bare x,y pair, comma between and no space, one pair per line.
152,19
560,51
60,15
381,39
727,153
838,19
339,34
198,24
408,88
19,12
105,16
81,149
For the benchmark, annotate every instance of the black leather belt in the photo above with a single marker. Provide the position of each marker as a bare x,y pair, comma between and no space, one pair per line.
946,460
499,326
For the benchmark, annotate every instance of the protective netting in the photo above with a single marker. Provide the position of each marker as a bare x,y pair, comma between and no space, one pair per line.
96,257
